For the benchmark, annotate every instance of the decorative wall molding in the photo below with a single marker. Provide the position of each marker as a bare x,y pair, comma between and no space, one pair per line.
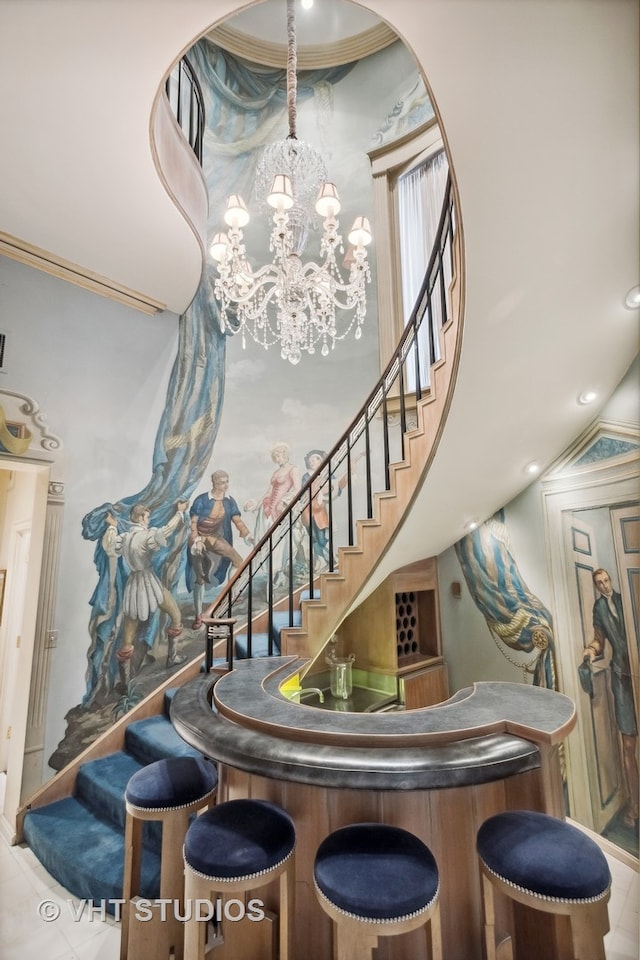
45,639
310,56
56,492
604,440
55,266
25,433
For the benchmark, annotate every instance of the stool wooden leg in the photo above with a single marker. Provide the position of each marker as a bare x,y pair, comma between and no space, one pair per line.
287,910
495,951
352,942
174,829
131,877
588,928
194,930
434,933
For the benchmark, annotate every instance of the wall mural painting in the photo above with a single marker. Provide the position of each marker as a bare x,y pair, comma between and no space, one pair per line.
610,637
602,546
129,654
136,635
516,618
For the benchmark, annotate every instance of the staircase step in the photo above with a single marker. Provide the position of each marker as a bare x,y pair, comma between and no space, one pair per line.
100,785
281,620
259,646
85,853
154,738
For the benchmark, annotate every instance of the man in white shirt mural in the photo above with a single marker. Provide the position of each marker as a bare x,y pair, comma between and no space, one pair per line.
144,593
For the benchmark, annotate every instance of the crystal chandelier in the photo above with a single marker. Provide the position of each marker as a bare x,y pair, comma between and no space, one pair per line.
296,304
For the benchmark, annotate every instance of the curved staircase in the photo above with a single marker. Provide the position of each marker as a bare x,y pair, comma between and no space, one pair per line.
292,605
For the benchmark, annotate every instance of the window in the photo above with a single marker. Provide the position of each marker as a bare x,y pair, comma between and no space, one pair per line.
409,178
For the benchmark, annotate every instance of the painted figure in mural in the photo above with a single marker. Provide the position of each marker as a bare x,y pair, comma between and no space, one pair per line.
319,498
144,593
211,552
516,617
609,627
321,490
283,486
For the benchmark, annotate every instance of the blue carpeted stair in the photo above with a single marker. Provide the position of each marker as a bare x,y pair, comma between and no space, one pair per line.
260,641
80,839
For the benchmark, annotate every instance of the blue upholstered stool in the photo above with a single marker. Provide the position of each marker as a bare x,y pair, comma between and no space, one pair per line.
168,791
376,881
549,865
238,846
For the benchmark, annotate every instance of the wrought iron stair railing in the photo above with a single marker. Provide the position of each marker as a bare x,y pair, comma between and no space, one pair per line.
187,103
304,546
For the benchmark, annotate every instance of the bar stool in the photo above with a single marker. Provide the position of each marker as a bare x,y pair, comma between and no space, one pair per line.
168,791
377,881
238,846
549,865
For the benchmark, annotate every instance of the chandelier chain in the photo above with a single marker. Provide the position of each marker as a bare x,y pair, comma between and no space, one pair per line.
292,68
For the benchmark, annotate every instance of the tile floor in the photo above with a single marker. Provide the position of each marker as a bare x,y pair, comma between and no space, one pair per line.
76,935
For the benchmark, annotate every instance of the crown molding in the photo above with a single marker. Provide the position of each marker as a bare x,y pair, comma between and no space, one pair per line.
56,266
311,56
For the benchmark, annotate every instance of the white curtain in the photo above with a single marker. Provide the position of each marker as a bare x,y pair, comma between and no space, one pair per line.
420,192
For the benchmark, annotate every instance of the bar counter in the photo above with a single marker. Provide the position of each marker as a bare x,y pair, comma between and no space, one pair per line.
438,771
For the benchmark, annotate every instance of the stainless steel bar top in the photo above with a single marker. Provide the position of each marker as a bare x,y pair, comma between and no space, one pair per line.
483,733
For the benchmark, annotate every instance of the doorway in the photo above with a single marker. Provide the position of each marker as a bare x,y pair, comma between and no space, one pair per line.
23,507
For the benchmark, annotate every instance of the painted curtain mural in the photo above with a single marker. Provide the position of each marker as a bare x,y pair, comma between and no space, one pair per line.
516,618
141,539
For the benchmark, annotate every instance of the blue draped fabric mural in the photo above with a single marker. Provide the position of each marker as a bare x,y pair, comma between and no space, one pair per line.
243,109
183,446
514,615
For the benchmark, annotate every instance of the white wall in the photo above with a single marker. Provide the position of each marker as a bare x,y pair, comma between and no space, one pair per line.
469,649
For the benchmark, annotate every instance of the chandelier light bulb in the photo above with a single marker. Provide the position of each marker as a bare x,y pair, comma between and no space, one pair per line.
360,233
236,214
219,248
328,202
281,195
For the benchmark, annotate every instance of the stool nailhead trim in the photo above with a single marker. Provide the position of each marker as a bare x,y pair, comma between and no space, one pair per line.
239,879
389,920
179,806
542,896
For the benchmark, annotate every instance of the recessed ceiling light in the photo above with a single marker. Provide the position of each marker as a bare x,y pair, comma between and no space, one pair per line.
632,299
471,525
587,397
532,468
306,4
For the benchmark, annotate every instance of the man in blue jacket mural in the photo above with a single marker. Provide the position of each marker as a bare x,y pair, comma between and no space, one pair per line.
609,627
211,551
